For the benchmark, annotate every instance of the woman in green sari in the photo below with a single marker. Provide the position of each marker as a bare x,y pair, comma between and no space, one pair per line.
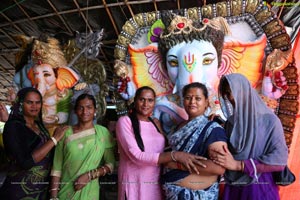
83,155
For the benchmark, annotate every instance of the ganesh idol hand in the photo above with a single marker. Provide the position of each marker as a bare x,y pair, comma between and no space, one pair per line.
126,91
11,95
274,84
3,113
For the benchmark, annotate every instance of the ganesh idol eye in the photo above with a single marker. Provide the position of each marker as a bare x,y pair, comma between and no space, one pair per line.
47,74
207,61
173,62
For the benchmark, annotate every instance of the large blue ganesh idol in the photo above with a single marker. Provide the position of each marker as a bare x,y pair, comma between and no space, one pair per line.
161,49
192,54
182,50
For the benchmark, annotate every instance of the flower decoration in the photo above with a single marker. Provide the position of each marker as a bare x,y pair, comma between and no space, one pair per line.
155,31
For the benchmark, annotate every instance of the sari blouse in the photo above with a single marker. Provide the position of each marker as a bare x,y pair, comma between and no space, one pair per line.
20,143
79,153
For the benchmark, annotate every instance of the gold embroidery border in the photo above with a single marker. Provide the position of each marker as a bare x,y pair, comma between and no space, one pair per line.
82,134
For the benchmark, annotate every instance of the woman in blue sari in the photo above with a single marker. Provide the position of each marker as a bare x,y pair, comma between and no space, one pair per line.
197,135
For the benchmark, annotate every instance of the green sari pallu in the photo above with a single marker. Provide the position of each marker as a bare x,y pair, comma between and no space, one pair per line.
79,153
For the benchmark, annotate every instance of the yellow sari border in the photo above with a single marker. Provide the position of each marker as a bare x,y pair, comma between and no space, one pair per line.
79,135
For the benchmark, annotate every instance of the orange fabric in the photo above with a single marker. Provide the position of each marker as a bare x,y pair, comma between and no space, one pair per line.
292,192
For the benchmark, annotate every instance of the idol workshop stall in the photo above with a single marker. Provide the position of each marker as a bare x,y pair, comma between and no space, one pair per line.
256,44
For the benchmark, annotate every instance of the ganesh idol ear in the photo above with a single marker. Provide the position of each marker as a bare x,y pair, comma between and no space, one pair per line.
147,69
245,58
66,78
30,76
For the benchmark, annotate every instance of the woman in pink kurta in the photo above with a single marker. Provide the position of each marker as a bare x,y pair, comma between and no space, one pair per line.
141,146
138,171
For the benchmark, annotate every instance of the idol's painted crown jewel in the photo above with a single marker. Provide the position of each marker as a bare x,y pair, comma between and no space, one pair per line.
183,25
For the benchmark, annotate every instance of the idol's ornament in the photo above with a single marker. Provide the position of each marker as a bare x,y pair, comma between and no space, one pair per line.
169,49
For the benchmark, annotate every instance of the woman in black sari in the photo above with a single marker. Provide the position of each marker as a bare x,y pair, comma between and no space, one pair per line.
28,146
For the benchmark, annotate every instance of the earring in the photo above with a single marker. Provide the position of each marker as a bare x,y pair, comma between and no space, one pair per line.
207,111
21,108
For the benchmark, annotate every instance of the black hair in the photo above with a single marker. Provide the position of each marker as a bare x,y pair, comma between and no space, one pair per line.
224,88
195,85
133,117
85,96
140,90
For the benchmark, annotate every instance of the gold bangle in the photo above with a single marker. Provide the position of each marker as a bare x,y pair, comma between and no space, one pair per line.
54,189
89,175
92,174
109,167
104,171
56,118
97,173
172,156
242,166
54,140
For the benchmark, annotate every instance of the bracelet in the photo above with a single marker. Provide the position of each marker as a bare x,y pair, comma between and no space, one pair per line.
94,173
109,167
242,166
104,171
172,156
89,176
97,173
56,118
54,141
54,189
179,166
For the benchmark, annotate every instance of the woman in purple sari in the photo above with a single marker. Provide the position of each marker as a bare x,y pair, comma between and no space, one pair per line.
256,146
